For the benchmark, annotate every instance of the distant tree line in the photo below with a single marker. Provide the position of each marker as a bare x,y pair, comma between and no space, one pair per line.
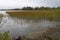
36,8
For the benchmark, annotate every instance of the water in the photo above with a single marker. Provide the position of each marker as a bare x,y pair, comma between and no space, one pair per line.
22,26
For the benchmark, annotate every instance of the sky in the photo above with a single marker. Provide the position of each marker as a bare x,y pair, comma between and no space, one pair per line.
9,4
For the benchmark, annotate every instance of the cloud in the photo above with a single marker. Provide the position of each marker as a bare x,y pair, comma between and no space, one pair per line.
33,3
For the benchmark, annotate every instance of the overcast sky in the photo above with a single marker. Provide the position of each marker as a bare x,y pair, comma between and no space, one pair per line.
33,3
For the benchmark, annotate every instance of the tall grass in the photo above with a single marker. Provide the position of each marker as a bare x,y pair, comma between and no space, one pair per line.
36,14
1,17
4,36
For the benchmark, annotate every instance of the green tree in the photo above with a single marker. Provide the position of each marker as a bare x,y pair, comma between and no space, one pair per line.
42,8
27,8
36,8
58,7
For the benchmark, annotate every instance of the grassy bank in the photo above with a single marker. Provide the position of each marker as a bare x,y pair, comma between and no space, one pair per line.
36,14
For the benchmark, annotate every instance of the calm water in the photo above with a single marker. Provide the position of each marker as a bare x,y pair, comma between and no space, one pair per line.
22,26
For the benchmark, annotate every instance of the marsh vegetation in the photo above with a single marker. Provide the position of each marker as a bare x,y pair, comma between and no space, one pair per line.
30,25
36,14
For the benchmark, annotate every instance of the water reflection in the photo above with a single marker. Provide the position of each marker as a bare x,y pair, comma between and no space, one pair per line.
23,26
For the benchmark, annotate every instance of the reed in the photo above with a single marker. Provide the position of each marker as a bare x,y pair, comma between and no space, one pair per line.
36,14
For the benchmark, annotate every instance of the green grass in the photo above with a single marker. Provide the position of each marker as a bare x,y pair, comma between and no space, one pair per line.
5,36
1,17
36,14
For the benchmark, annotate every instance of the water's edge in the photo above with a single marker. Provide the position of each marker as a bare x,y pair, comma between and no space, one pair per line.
22,26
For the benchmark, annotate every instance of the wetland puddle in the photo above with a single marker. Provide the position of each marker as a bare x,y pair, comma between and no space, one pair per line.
22,26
